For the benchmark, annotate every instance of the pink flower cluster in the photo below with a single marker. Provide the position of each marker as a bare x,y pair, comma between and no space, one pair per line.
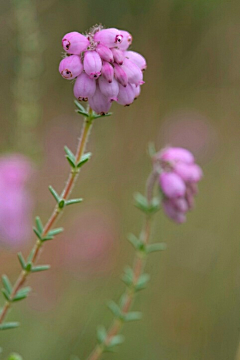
15,200
178,181
104,69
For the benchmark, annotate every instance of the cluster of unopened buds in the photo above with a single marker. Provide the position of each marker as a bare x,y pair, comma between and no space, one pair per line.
105,71
178,179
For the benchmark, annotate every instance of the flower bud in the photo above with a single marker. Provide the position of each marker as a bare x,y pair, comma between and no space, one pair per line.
110,90
126,41
75,43
70,67
118,56
134,74
177,154
84,87
107,71
137,59
189,173
172,185
92,64
126,95
99,103
120,75
105,53
174,214
109,37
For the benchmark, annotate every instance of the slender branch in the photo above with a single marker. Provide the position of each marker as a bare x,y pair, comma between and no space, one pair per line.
138,268
55,214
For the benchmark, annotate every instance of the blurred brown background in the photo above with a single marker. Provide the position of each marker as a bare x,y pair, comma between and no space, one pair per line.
190,98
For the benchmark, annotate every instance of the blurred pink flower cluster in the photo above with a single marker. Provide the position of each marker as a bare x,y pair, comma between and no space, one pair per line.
178,181
15,201
104,70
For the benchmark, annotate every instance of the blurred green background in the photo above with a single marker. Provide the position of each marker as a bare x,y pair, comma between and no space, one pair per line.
191,99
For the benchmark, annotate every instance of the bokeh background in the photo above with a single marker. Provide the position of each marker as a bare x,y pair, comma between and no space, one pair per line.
191,98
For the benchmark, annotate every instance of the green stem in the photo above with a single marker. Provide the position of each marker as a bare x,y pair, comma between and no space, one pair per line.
55,214
138,269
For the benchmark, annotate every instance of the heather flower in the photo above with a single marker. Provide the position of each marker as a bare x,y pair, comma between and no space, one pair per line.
134,74
84,87
137,59
99,102
92,64
107,71
126,40
172,185
108,37
126,95
101,57
137,91
110,90
173,212
118,56
70,67
178,180
105,53
120,75
75,43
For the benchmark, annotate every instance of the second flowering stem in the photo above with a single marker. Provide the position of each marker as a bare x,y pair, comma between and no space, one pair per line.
134,277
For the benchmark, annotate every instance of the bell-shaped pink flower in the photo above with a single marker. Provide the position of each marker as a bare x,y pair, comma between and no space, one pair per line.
134,74
84,87
177,154
137,90
172,185
120,75
126,95
126,41
99,103
178,181
170,210
70,67
109,37
110,90
118,56
180,204
92,64
75,43
105,53
137,59
188,172
107,71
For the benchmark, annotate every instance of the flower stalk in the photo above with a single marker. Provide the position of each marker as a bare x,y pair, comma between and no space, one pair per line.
16,292
134,278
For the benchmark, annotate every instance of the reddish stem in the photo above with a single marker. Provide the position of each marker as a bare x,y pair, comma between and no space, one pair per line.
51,221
